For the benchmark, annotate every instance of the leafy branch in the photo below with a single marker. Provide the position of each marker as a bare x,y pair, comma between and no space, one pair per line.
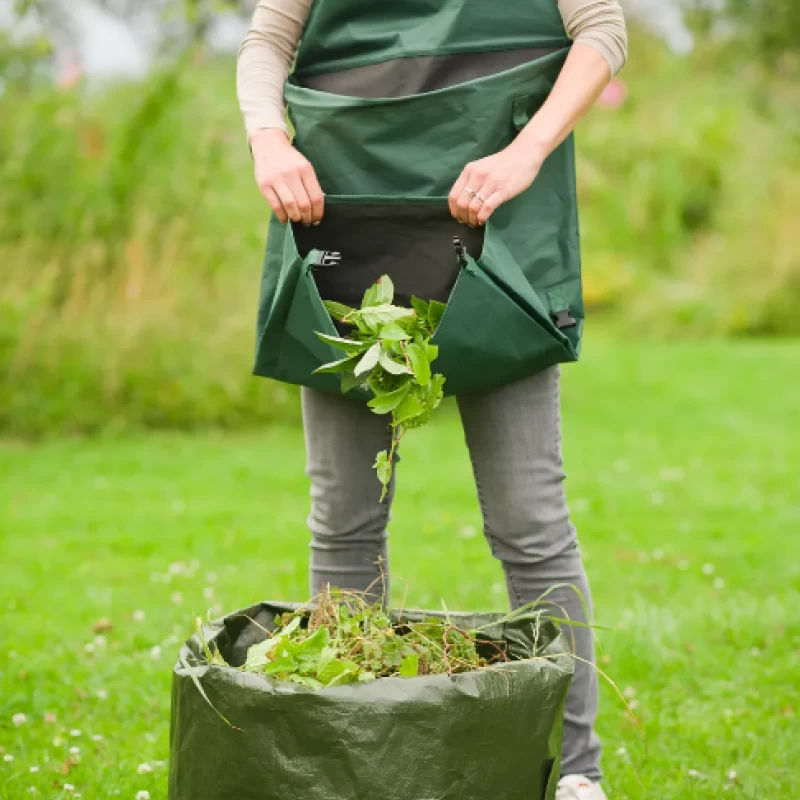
389,353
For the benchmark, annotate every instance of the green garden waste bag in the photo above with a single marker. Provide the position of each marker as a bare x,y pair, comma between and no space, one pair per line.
489,733
389,102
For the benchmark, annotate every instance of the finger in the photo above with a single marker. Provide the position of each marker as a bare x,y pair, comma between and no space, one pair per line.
493,201
457,194
275,203
464,199
315,194
298,188
289,203
481,196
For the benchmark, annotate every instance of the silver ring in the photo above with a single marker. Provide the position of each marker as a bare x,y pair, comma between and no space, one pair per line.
470,192
480,197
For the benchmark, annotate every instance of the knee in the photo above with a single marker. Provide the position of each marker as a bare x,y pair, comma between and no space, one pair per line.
531,534
344,517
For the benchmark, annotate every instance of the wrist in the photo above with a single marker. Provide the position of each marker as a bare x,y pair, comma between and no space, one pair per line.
268,138
533,146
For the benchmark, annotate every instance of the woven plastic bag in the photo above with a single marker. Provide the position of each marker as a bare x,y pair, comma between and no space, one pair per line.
494,732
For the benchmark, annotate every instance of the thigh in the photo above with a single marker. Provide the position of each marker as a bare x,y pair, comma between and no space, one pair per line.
342,438
514,439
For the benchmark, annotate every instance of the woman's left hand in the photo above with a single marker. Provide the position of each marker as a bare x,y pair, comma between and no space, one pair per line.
486,184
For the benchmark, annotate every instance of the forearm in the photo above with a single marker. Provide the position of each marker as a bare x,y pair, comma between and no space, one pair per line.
265,59
583,78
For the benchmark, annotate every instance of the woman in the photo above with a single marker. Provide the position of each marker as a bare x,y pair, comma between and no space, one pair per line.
389,51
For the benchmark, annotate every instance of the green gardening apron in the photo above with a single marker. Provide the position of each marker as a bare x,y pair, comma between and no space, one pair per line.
389,101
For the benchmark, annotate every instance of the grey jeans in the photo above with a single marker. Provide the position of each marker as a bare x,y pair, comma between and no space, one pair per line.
514,440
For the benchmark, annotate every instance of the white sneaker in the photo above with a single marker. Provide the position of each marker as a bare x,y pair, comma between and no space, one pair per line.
576,787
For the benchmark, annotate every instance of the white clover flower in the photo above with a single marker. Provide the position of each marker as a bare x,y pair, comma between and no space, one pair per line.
57,741
144,769
211,577
629,692
732,775
155,652
143,795
708,569
102,694
100,641
97,737
34,769
622,751
19,719
8,757
208,593
138,615
75,751
89,647
75,732
177,598
719,583
693,773
68,787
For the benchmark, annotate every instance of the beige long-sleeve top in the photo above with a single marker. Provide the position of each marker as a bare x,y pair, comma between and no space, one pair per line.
270,46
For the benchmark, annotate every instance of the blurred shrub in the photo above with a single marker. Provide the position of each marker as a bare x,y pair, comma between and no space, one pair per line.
131,238
691,195
131,234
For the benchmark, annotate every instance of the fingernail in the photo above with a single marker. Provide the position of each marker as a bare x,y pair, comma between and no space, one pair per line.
318,222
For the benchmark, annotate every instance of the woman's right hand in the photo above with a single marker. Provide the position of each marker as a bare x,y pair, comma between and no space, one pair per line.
286,178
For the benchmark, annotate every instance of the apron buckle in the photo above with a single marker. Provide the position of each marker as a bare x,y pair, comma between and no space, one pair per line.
563,319
327,259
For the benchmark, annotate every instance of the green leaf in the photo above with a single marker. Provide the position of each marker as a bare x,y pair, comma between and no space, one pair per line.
385,292
350,382
331,670
379,315
304,680
383,467
338,310
311,646
409,666
392,367
285,663
366,677
410,407
369,360
419,364
342,365
340,343
436,313
421,307
370,297
433,352
393,333
384,403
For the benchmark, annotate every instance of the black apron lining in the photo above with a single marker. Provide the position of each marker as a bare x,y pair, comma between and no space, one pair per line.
403,77
412,244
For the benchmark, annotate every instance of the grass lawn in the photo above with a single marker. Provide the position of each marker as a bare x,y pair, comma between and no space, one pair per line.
683,467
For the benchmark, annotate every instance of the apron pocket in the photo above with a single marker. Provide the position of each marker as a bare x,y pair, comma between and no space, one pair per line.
409,239
486,339
301,351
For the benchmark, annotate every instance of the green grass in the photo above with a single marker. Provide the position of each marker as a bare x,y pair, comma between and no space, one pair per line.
680,456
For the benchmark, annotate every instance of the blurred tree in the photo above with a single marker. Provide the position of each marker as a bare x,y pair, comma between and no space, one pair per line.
773,25
768,29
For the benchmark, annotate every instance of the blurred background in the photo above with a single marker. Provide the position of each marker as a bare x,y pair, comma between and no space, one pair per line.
131,234
146,476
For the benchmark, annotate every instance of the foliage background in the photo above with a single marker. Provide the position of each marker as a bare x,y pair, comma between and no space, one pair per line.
131,234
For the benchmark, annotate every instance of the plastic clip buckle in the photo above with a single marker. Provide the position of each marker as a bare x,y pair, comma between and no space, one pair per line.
327,259
461,251
563,319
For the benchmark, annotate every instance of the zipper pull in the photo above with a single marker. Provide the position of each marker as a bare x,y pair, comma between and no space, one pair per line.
461,251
